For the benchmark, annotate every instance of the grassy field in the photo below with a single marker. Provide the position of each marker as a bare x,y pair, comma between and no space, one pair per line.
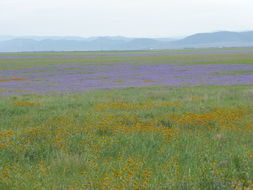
150,138
189,57
135,138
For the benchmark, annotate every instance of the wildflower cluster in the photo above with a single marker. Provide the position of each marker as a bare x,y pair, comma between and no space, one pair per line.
26,104
109,144
15,79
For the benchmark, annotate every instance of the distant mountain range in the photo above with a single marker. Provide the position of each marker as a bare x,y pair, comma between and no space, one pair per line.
75,43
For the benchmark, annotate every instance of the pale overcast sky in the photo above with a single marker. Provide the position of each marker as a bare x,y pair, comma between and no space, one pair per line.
135,18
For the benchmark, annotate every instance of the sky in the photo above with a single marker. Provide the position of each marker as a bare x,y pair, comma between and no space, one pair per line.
131,18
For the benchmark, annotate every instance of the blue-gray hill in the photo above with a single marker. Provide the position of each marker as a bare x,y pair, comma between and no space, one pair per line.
75,43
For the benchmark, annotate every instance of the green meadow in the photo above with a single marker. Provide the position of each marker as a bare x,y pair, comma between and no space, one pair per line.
135,138
182,57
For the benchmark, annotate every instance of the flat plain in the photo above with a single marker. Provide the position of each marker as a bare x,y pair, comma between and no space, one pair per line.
179,119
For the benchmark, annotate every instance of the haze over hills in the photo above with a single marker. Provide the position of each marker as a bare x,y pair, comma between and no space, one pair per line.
217,39
75,43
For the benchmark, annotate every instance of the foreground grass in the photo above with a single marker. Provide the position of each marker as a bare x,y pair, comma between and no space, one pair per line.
135,138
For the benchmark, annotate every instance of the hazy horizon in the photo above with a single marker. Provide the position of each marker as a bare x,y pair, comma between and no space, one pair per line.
142,18
172,37
175,37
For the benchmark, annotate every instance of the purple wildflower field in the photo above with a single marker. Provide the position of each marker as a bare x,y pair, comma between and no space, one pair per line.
77,77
